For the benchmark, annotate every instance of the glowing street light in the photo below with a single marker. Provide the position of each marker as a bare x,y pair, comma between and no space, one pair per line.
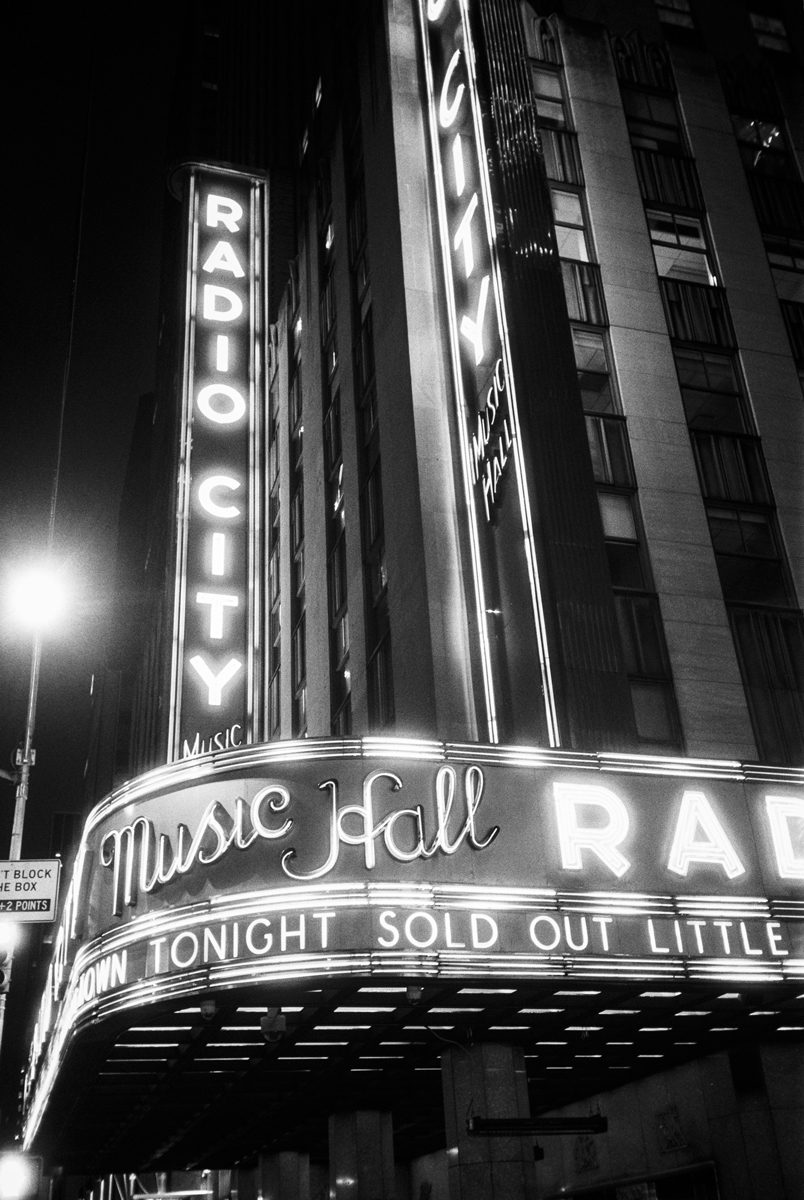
20,1175
36,599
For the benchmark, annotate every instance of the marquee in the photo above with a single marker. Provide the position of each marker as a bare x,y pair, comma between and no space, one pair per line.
302,861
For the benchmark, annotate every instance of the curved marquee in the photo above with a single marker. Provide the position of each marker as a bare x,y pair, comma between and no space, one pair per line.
376,857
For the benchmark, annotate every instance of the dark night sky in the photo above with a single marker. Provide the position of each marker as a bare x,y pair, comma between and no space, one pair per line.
118,78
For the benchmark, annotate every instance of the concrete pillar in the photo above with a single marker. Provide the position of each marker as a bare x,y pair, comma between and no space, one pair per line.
361,1156
486,1081
284,1176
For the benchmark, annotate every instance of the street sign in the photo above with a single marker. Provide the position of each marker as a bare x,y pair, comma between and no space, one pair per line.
29,888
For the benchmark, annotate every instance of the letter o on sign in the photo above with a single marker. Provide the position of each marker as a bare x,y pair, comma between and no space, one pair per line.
429,920
234,408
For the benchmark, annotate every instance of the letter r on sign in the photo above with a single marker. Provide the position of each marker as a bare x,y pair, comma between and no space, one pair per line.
602,839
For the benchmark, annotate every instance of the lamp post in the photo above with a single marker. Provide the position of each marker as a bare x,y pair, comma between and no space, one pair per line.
36,600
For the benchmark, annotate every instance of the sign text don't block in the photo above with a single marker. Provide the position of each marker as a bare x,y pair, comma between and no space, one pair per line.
29,888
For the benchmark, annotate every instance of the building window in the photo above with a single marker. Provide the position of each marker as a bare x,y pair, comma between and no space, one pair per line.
583,292
594,379
667,179
794,323
542,40
608,443
786,257
642,638
748,557
381,694
679,247
770,647
548,97
730,467
675,12
770,32
568,216
696,313
652,120
710,390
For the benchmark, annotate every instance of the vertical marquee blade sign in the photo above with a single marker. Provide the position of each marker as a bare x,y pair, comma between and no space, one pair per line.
215,621
512,634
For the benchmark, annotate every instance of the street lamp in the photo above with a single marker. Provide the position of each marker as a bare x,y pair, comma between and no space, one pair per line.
36,600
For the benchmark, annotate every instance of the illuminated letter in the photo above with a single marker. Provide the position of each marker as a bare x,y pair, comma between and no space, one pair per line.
215,683
603,840
365,812
278,798
205,489
218,554
230,414
781,810
473,330
386,916
553,925
435,9
447,112
463,235
223,211
457,162
492,933
217,602
696,813
222,352
223,258
212,295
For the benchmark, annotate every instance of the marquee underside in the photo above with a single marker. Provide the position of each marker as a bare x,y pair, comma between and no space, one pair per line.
165,1087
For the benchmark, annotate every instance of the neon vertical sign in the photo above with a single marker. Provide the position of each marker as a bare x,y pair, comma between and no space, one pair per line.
216,595
495,480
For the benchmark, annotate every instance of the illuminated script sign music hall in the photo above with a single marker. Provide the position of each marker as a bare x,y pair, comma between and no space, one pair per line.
373,856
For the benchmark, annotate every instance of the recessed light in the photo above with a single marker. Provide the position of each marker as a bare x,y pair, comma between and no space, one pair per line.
462,1009
486,991
363,1008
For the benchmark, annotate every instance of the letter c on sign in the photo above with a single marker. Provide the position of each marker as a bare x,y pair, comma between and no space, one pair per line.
226,512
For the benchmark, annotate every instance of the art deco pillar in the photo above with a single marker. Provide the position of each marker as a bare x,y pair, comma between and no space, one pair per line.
361,1156
486,1081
